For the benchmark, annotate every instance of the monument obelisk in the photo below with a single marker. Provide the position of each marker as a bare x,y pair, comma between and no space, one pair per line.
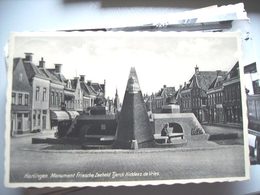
134,129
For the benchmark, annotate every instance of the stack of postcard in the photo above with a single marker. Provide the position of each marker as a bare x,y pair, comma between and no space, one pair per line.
157,103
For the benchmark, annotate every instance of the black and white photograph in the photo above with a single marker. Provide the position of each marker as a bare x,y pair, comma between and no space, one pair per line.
118,108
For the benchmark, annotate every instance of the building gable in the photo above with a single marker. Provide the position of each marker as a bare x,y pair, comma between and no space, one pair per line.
20,79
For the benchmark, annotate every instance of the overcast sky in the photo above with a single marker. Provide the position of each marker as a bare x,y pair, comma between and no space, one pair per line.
159,58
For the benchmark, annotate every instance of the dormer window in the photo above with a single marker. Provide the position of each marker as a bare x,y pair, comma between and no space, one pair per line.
20,77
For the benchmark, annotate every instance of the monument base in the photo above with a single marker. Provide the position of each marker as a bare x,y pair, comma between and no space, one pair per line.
133,145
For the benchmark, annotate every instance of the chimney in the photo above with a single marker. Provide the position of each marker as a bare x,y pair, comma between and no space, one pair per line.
185,84
89,82
180,87
42,63
196,69
82,78
164,86
28,57
58,68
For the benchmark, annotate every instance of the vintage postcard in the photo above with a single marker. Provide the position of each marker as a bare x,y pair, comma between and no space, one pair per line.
118,108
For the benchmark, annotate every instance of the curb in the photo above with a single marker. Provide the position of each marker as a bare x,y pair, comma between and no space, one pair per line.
122,151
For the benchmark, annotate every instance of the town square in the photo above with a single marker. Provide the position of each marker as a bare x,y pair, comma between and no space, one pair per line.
146,123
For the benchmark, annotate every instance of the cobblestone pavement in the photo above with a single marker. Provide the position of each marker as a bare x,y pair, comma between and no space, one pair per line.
209,160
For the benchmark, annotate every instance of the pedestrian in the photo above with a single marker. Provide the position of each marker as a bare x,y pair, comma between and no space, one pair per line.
165,132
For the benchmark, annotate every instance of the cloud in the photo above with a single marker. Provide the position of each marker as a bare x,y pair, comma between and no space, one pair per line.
158,59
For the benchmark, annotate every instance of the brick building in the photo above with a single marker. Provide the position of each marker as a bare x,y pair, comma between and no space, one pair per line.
193,96
56,94
155,103
89,94
40,85
232,96
215,100
41,97
21,99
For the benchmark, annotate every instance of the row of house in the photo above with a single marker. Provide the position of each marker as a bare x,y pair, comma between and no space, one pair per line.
213,96
224,98
155,102
42,96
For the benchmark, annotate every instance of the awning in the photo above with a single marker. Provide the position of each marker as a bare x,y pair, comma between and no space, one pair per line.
59,115
73,114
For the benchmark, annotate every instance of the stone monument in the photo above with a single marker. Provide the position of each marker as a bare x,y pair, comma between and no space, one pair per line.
134,129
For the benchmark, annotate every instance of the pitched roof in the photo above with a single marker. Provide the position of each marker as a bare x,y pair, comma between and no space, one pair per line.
97,87
203,79
86,89
167,91
233,73
16,60
59,76
52,77
33,71
218,81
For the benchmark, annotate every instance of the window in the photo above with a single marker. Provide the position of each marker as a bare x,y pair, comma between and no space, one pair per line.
52,98
103,127
56,99
34,118
61,97
20,99
39,119
13,98
37,93
26,99
20,77
19,121
44,94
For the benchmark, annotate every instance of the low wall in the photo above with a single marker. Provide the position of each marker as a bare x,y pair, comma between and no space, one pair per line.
187,121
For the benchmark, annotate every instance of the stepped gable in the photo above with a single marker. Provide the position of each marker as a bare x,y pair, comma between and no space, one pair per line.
133,126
